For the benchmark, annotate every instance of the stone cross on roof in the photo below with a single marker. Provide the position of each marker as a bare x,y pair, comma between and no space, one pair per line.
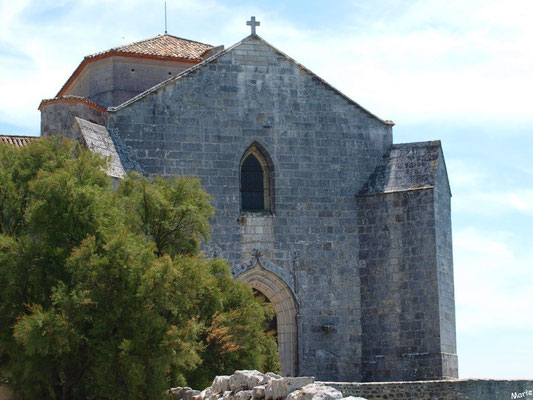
253,23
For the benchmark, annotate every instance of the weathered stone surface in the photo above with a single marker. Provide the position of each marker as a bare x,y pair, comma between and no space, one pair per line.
353,398
243,395
183,393
450,389
215,396
228,395
280,388
247,379
97,139
205,394
258,392
190,394
58,118
220,384
315,391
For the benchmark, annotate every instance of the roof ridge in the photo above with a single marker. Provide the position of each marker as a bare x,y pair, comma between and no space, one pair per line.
17,135
118,48
436,142
187,40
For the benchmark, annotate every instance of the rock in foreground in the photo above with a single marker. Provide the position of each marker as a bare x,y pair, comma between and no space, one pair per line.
254,385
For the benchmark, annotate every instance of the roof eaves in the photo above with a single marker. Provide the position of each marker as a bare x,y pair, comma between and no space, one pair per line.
17,140
417,144
71,99
72,77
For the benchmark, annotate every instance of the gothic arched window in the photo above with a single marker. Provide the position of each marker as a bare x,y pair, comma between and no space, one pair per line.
255,181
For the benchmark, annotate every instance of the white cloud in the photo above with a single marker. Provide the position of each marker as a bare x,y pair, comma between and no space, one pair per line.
493,282
466,174
494,204
480,191
404,60
436,59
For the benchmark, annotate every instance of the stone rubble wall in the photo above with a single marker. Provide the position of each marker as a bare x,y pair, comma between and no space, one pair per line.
456,389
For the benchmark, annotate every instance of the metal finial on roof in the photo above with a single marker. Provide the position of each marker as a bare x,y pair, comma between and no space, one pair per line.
253,23
165,17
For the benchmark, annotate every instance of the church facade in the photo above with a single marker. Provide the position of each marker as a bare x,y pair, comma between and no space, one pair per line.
347,234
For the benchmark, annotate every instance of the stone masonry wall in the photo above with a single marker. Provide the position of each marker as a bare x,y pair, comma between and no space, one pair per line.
113,80
323,147
58,118
257,229
459,389
400,307
443,239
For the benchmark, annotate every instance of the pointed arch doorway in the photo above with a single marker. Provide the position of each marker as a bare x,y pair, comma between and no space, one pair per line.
280,296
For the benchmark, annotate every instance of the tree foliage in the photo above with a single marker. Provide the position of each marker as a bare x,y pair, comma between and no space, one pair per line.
104,293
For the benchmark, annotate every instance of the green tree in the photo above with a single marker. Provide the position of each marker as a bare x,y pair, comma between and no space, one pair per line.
103,293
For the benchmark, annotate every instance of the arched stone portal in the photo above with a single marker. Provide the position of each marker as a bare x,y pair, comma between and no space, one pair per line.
283,301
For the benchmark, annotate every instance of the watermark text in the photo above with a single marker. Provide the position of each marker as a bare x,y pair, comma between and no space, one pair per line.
521,395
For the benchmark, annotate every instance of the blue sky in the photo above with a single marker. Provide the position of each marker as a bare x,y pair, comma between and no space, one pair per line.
458,71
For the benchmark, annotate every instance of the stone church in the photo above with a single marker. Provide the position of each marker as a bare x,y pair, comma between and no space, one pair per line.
347,234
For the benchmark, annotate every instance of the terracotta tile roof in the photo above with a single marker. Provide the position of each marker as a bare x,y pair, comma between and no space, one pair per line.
69,98
166,46
17,141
